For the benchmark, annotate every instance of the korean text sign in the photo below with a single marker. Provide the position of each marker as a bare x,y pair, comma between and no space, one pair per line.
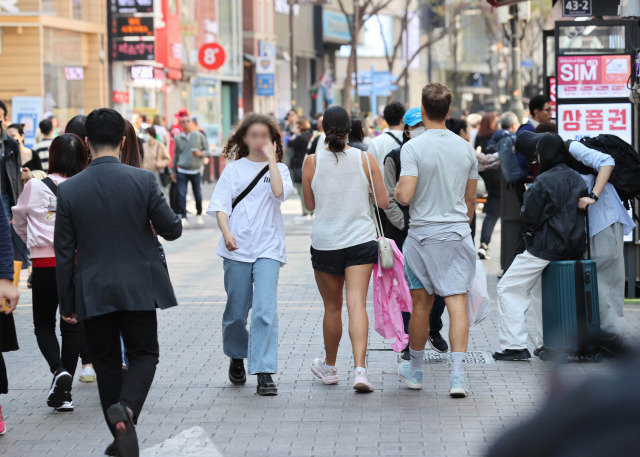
578,121
593,76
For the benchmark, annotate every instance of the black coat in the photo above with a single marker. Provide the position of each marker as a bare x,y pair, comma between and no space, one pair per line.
104,214
12,162
550,210
299,147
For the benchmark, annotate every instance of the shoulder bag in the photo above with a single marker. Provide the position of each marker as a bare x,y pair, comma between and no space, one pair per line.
250,187
385,252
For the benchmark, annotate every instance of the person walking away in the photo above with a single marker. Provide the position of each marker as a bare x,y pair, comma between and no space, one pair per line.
556,231
31,165
356,135
115,285
397,226
387,141
207,175
190,149
34,219
473,121
41,148
318,142
489,169
156,157
246,203
486,131
539,112
336,183
299,144
77,126
438,180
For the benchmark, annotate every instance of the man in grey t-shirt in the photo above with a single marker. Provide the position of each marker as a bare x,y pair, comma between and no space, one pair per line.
438,180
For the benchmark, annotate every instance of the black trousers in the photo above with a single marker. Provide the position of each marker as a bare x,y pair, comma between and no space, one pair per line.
45,306
139,330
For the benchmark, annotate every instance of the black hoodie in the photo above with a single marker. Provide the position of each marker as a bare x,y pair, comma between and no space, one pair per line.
550,210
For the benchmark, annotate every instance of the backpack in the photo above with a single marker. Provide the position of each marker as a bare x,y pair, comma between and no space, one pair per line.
512,170
626,173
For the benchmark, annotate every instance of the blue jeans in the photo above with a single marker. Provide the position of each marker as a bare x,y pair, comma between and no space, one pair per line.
252,286
183,180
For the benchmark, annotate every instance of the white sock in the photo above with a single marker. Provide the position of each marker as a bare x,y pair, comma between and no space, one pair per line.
416,359
457,362
330,367
361,369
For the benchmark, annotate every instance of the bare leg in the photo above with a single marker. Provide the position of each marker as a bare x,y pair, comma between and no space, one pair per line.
330,287
459,329
419,323
357,279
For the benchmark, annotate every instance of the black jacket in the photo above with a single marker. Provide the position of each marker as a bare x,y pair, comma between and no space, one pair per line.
550,210
104,214
299,147
12,163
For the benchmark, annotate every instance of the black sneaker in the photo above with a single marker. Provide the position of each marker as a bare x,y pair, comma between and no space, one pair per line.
60,387
30,281
67,405
111,449
512,354
537,351
437,342
406,355
237,374
126,443
266,386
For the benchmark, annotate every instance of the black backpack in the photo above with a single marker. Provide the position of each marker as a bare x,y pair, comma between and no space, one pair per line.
626,173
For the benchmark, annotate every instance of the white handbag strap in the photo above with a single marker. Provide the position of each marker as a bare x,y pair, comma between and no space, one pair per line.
377,220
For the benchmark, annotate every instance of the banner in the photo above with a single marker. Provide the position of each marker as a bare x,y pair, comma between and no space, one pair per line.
593,76
27,111
586,120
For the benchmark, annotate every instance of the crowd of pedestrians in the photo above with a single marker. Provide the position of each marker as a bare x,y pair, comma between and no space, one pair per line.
87,207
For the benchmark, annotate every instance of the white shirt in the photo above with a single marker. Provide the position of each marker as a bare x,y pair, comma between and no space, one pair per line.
383,144
256,222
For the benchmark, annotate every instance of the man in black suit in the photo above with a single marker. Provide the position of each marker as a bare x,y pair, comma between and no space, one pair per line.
110,273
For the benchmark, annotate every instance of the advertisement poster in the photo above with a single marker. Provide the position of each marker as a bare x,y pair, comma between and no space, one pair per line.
593,76
27,111
585,120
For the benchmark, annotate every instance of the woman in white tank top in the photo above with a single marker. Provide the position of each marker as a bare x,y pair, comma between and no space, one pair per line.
336,184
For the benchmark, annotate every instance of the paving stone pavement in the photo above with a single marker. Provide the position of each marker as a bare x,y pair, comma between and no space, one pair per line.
193,410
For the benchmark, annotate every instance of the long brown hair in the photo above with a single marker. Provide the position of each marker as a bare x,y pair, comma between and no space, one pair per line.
236,146
131,151
487,125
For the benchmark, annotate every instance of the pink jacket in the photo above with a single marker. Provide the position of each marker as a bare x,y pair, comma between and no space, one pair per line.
390,297
34,217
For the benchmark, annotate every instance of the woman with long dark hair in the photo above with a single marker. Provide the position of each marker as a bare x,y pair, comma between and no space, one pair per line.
131,151
356,135
337,183
34,220
246,203
485,131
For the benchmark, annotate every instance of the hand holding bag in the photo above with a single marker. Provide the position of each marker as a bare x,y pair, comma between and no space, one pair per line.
385,251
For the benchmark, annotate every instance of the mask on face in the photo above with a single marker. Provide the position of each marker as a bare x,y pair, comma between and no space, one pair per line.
415,133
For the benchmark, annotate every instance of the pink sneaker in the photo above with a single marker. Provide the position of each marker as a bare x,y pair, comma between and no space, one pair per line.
326,375
361,382
3,428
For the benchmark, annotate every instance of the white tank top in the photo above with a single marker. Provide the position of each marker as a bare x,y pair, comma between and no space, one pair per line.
341,192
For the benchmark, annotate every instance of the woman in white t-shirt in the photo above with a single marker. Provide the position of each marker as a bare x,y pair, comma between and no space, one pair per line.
246,203
336,184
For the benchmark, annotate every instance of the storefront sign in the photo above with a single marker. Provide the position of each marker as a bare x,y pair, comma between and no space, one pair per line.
132,50
335,27
585,120
119,96
74,73
593,76
130,26
168,47
27,111
577,8
212,56
132,6
552,96
265,76
142,72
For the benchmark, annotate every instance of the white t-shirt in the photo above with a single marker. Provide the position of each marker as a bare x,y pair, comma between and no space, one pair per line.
383,144
443,163
256,222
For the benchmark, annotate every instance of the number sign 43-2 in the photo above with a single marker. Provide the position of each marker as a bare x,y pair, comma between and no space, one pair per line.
573,8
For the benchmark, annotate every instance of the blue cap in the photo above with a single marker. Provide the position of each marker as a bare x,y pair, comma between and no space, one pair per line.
413,117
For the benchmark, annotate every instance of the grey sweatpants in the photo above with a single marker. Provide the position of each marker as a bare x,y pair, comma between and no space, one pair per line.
607,249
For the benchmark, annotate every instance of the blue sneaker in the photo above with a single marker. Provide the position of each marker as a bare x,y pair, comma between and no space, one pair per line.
412,380
458,387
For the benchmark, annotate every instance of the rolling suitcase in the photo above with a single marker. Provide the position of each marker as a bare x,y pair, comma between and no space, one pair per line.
570,311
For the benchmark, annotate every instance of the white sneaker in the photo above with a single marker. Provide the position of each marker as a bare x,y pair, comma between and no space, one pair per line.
88,374
67,405
361,381
199,220
327,375
185,222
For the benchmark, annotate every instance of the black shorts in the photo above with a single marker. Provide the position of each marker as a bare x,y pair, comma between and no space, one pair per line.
337,261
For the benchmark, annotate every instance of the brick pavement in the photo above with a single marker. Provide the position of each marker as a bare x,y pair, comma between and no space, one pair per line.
193,410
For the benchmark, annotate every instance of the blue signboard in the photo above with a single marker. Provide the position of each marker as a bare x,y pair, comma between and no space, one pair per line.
577,8
27,111
265,84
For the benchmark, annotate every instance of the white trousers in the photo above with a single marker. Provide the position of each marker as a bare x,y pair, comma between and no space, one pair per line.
519,288
607,249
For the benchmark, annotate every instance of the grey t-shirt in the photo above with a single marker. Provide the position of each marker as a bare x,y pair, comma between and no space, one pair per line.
443,163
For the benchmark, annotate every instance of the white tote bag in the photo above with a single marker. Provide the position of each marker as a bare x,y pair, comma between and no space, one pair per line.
478,302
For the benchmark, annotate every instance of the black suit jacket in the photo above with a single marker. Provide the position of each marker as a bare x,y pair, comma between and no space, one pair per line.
103,215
